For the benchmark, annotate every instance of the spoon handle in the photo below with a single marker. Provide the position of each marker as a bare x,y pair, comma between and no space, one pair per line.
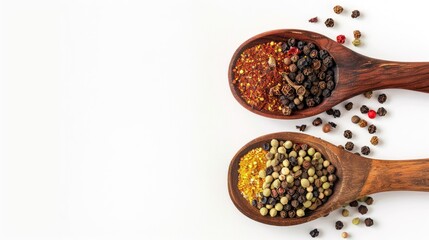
380,74
392,175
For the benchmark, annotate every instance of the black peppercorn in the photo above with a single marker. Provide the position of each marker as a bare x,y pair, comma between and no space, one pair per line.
381,112
264,200
330,111
339,225
293,161
369,222
291,42
355,14
362,209
314,233
348,134
291,213
254,202
367,94
326,93
334,125
330,85
369,201
316,122
365,150
283,214
302,127
337,113
323,54
348,106
353,203
364,109
329,22
269,170
266,146
382,98
349,146
372,129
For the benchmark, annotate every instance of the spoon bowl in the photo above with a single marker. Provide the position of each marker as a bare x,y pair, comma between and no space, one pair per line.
357,177
354,73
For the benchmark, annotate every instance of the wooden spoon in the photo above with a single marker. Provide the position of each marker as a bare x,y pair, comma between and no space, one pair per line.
357,177
354,73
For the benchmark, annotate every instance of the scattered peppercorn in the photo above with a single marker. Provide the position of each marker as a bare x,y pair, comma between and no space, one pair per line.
317,121
372,114
353,203
362,209
356,42
329,22
357,34
372,129
365,150
345,213
313,20
374,140
369,222
348,134
344,235
349,146
356,221
330,111
362,123
348,106
341,39
355,119
302,127
369,201
382,98
339,225
314,233
337,113
381,112
355,14
338,9
364,109
327,128
334,125
367,94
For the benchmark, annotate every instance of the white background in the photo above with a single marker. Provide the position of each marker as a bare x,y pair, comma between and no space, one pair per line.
117,122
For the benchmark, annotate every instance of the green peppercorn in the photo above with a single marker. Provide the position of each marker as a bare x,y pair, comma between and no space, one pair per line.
284,200
263,211
356,42
356,221
300,213
311,151
305,183
345,213
273,212
326,185
266,192
278,206
288,144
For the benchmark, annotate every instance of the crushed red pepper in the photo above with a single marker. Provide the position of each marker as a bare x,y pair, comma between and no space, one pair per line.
254,77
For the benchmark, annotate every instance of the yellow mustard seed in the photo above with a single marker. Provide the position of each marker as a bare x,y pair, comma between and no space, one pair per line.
249,182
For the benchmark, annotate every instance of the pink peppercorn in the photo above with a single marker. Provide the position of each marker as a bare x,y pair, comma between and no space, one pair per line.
341,39
372,114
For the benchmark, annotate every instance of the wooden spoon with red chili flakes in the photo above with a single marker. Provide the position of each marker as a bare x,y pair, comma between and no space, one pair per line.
354,73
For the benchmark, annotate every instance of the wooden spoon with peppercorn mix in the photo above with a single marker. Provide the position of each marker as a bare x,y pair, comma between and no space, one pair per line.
356,177
353,75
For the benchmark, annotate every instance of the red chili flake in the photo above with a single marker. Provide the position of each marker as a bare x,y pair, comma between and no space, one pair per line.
372,114
313,20
293,51
341,39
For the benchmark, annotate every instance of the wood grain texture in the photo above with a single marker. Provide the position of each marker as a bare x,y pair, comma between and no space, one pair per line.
354,73
357,176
